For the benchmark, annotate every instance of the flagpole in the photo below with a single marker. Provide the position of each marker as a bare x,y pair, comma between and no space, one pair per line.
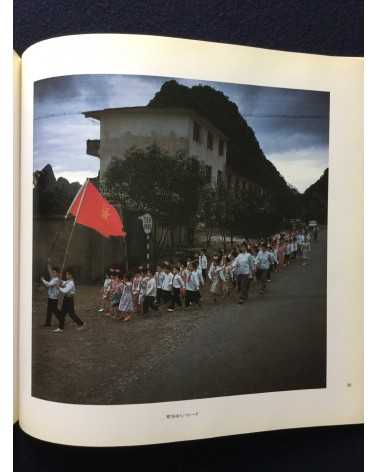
52,246
75,197
83,188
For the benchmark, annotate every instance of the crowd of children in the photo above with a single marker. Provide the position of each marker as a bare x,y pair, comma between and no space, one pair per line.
178,284
181,284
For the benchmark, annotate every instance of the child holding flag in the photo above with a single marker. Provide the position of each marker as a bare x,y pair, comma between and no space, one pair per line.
68,289
52,286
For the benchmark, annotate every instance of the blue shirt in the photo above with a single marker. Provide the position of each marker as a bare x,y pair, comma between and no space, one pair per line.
244,263
263,260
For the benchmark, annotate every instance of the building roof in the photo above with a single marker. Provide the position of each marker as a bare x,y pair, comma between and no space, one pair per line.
98,114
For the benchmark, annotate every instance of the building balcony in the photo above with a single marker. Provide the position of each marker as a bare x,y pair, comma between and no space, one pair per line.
93,147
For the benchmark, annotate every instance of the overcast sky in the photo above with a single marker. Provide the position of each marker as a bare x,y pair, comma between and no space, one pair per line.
290,125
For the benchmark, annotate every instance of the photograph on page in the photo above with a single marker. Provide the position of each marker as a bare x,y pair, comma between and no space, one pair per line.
179,239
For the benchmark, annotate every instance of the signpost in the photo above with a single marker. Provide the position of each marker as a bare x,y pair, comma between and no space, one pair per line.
147,228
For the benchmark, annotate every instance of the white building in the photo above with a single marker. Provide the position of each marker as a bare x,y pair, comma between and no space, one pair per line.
172,129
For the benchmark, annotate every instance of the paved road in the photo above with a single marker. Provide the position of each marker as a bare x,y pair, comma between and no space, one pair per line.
273,342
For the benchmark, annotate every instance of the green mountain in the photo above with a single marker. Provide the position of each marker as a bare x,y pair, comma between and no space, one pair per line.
245,156
315,199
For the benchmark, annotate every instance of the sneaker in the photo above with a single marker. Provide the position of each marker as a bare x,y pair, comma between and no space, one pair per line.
57,330
79,328
171,309
100,310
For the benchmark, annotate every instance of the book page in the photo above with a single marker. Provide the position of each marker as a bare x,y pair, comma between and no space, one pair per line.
191,240
16,200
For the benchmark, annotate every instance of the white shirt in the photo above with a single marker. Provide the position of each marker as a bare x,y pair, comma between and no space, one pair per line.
244,263
177,281
202,262
52,287
159,277
143,285
167,283
151,287
263,260
216,270
192,282
68,288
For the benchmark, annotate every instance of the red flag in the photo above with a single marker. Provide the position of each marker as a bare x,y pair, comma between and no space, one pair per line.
91,209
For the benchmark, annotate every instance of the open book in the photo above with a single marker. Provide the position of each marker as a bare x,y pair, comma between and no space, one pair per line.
190,240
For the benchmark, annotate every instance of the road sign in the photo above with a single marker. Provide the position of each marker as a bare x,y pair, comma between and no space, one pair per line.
146,222
147,228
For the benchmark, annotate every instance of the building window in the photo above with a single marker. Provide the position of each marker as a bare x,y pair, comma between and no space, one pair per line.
208,173
221,147
219,177
210,140
196,132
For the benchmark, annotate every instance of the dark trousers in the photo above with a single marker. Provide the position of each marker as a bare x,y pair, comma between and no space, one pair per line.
166,296
204,274
263,279
176,298
192,296
52,309
68,308
158,295
149,302
243,282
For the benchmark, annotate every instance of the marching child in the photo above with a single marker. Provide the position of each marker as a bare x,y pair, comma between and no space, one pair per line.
272,255
68,306
105,293
183,272
306,247
295,247
228,276
151,294
159,278
216,276
136,289
200,276
142,290
167,285
263,262
177,286
115,293
202,262
126,305
287,253
281,254
52,286
192,288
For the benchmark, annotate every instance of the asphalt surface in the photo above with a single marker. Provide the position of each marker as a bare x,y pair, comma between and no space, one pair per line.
274,342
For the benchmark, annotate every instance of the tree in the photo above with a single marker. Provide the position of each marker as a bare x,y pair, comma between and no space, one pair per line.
151,180
207,215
